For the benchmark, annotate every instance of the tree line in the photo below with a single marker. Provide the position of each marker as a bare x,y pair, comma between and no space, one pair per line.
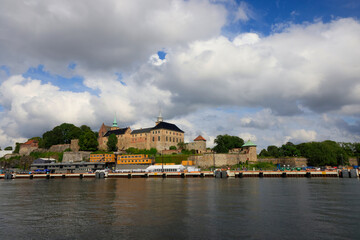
63,134
318,153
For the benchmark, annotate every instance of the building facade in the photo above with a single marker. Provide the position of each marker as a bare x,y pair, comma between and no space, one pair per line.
162,136
199,145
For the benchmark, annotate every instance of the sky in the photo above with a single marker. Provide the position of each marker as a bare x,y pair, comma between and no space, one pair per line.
269,71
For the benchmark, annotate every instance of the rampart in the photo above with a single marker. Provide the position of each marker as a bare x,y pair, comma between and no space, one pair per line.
219,160
76,156
292,162
59,147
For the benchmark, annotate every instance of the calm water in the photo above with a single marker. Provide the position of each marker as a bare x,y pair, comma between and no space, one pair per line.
180,209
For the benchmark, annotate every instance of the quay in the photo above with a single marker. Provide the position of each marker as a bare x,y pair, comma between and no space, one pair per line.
353,173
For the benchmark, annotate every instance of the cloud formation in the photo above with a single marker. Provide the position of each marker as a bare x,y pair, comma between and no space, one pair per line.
300,83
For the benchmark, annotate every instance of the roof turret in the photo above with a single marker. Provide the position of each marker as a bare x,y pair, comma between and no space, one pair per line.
249,144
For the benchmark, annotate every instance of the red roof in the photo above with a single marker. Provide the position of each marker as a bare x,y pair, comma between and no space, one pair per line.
31,142
199,138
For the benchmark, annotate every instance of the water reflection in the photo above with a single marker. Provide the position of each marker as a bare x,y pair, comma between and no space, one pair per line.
179,208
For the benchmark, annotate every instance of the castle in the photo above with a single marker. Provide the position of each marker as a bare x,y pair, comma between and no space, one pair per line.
162,136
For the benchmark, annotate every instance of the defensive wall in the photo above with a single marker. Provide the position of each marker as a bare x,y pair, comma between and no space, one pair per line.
219,160
223,160
80,156
292,162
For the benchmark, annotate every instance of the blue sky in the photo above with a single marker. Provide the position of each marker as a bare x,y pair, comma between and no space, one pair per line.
265,14
269,71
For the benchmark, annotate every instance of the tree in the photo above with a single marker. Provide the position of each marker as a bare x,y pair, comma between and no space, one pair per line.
62,134
264,153
181,145
273,151
88,141
172,148
226,142
9,148
289,150
112,142
324,153
17,148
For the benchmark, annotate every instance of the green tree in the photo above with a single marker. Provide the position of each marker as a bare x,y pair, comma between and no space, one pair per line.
273,151
172,148
9,148
289,150
226,142
324,153
112,142
264,153
62,134
88,141
17,148
181,145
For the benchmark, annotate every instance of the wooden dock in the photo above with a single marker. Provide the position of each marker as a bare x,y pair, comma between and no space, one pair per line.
202,174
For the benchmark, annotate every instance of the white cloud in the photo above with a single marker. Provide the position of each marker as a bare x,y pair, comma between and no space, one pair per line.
289,79
100,35
301,135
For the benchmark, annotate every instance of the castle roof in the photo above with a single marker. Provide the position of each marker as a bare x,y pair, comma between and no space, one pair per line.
249,144
119,131
32,141
142,130
168,126
199,138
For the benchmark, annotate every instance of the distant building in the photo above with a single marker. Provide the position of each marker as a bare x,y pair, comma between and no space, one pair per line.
247,151
199,145
29,146
162,136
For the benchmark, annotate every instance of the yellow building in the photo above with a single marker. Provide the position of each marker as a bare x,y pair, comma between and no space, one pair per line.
99,157
134,159
162,136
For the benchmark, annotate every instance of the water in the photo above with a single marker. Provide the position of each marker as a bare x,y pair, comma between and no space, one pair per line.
180,208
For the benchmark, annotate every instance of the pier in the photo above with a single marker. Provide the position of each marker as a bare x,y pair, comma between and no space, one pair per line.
353,173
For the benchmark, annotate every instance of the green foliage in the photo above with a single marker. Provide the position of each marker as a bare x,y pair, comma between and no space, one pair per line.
188,152
226,142
64,133
324,153
132,150
17,148
112,142
172,148
88,140
273,151
9,148
181,145
289,150
263,166
67,150
177,159
351,149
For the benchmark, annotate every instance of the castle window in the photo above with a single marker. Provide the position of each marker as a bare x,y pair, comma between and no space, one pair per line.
158,138
166,138
170,139
153,139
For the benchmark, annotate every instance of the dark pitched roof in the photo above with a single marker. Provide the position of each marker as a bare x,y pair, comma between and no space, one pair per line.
142,130
168,126
119,131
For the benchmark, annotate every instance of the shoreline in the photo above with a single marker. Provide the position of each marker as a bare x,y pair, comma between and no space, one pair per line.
201,174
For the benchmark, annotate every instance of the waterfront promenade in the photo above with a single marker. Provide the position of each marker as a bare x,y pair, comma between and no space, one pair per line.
201,174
